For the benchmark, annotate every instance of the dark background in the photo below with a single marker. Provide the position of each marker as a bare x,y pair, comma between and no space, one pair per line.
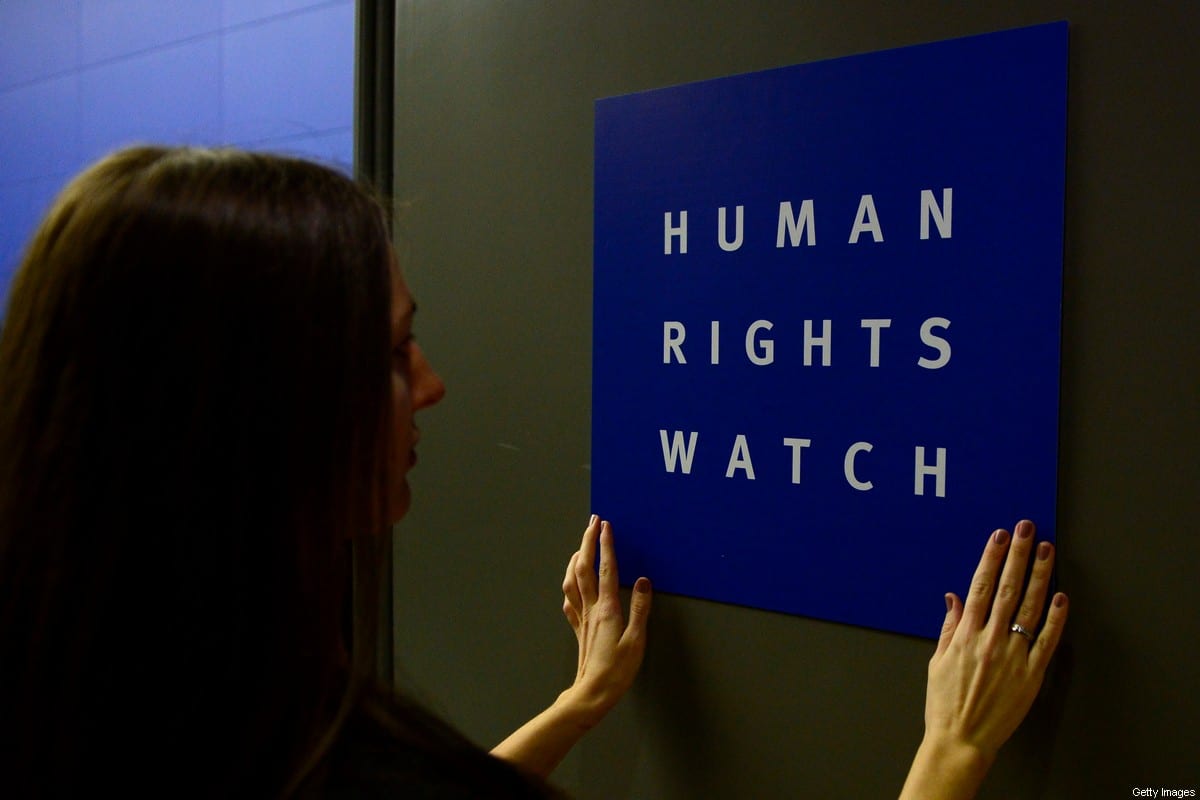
494,111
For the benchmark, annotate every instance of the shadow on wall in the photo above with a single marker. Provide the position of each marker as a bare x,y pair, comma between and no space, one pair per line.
665,712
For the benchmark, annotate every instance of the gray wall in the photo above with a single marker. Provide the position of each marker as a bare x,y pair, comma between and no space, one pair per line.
494,150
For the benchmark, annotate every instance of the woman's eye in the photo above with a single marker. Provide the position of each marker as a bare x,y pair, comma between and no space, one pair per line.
403,351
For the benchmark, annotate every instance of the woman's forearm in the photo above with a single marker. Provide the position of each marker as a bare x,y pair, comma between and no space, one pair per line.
945,771
543,742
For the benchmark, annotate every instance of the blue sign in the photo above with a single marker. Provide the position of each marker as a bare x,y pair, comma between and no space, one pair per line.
826,332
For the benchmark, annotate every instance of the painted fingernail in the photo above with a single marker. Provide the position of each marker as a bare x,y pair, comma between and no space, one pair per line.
1060,600
1001,536
642,586
949,602
1043,551
592,521
1024,529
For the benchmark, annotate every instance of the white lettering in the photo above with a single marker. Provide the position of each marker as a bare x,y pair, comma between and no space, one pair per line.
794,226
824,341
768,345
848,466
936,342
941,216
740,458
672,231
722,229
797,445
866,220
679,450
875,325
761,350
673,336
938,470
674,453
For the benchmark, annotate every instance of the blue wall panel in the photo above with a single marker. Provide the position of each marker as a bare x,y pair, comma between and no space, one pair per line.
304,91
333,149
114,28
41,129
237,12
166,95
41,38
79,78
14,211
22,204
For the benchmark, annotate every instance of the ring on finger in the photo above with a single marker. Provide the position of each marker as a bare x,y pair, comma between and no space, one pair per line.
1017,627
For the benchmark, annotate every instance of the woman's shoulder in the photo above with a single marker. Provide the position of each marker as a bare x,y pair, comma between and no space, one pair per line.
391,747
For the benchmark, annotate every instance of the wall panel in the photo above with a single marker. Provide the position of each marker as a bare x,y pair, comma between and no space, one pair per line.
494,148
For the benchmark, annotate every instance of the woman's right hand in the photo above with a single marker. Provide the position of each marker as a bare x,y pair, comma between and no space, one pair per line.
985,673
610,654
610,651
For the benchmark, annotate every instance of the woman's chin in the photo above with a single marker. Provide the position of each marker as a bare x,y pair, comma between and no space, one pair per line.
400,502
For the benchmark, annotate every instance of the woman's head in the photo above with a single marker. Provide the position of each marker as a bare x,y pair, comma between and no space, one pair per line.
414,386
201,403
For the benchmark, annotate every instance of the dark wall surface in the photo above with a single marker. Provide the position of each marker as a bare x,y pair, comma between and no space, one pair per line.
494,105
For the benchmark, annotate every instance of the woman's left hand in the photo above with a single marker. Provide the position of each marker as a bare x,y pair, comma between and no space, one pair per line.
988,666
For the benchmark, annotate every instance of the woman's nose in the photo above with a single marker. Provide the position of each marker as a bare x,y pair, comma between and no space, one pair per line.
427,386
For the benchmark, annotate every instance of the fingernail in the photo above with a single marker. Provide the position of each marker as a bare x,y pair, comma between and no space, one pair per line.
642,585
1043,551
949,602
1024,529
1001,536
592,521
1060,600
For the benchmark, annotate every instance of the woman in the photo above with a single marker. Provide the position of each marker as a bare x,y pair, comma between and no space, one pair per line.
209,384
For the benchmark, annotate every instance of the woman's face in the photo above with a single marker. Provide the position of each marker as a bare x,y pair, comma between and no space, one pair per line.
414,386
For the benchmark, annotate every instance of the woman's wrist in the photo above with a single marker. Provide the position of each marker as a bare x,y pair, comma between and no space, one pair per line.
541,743
946,768
576,708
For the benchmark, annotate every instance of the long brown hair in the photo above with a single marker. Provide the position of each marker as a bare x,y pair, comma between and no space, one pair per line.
194,417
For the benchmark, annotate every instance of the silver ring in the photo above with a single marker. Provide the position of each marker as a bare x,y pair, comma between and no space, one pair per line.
1018,628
